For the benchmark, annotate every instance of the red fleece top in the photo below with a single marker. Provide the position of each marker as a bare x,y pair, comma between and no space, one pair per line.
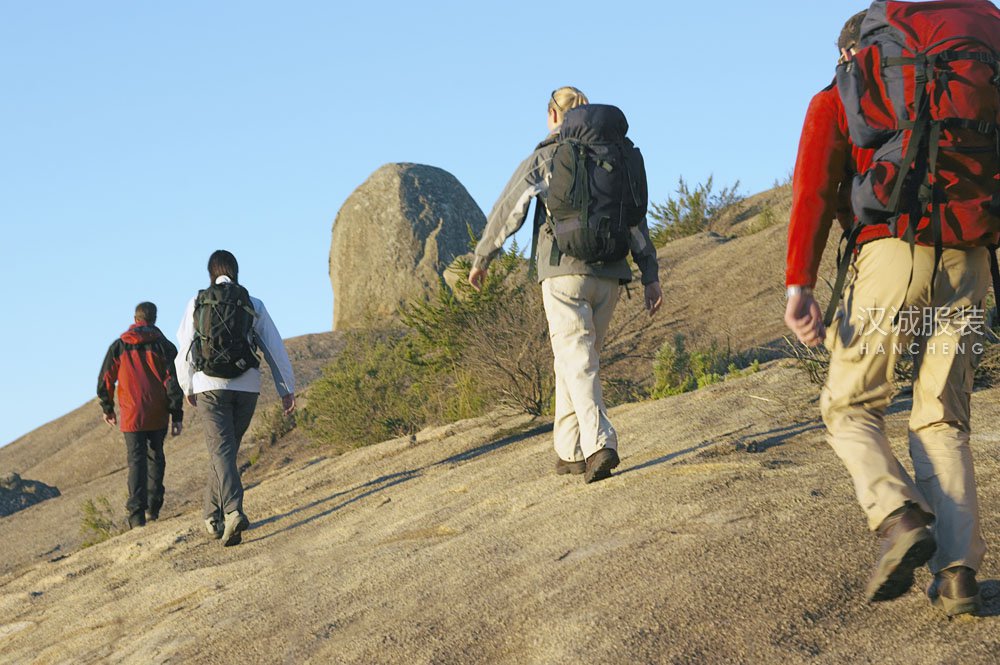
141,363
821,187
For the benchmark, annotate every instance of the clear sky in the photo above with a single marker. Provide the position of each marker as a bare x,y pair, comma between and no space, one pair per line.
137,137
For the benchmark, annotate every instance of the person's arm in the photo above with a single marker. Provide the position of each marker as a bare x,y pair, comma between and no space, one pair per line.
508,213
182,363
175,396
276,356
820,172
644,255
106,382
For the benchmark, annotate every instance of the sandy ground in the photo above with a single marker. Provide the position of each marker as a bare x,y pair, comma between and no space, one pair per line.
729,535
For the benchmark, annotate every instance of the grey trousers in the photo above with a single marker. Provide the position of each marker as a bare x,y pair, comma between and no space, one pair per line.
227,415
146,465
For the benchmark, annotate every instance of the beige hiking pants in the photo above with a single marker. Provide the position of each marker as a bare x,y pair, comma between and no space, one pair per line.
579,309
944,335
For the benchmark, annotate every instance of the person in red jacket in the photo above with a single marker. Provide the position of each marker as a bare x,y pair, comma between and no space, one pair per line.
141,363
933,516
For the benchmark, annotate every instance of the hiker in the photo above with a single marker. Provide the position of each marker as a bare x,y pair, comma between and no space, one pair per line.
917,283
580,275
141,363
221,331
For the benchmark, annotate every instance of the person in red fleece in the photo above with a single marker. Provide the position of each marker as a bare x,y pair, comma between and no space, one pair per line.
933,516
141,363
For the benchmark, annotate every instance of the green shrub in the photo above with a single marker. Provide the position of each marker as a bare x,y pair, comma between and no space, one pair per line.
677,370
672,369
766,218
272,424
97,521
490,347
691,212
369,393
459,355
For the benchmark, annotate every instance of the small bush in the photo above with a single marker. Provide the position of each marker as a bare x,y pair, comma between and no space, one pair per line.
766,218
677,370
272,424
489,347
815,361
368,394
97,521
459,355
691,212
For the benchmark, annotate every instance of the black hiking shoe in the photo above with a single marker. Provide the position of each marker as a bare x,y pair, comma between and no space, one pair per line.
955,591
236,523
152,515
599,465
563,467
136,520
907,544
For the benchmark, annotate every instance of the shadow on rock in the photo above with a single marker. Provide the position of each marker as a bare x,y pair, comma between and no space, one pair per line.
365,489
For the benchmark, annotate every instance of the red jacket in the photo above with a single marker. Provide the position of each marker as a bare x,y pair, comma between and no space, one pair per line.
141,362
821,187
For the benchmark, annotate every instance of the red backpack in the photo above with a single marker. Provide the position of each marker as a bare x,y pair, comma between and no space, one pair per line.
923,90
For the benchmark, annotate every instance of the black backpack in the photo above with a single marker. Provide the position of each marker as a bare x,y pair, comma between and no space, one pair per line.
224,342
597,191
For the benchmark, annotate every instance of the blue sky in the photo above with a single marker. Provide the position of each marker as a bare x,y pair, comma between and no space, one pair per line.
138,137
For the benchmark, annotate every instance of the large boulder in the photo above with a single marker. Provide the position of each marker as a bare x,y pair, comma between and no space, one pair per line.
393,239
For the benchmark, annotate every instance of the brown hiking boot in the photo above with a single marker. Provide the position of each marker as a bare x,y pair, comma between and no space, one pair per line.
563,467
907,544
955,591
599,465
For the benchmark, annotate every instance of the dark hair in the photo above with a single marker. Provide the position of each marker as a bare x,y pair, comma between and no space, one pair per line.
145,312
851,33
221,263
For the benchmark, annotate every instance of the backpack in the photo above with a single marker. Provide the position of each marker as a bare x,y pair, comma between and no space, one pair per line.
224,342
597,191
923,91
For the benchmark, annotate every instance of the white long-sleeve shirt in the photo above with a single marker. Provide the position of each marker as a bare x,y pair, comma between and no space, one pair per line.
270,343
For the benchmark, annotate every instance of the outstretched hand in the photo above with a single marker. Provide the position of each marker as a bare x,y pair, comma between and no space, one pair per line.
803,317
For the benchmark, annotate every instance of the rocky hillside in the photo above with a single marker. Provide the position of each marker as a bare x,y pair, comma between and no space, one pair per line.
729,533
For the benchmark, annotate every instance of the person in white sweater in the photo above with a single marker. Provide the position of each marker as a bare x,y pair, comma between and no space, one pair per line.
222,330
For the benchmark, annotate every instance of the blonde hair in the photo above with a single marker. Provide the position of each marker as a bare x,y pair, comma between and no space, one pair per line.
566,98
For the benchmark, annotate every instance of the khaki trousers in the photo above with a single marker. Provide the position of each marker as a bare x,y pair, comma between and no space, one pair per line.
579,309
943,333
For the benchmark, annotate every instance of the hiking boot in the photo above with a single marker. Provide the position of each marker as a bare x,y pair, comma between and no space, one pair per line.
152,515
907,544
599,465
136,520
955,591
236,522
563,467
214,527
